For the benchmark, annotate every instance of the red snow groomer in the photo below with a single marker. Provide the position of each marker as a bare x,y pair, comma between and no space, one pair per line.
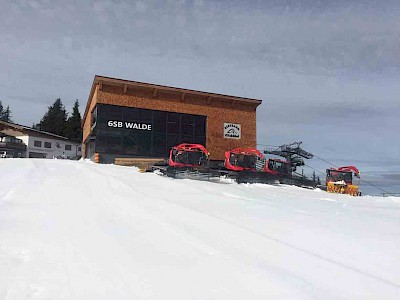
251,166
241,159
250,159
245,165
189,161
340,180
278,167
188,155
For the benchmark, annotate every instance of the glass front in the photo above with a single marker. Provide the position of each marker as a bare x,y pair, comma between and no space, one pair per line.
279,166
132,131
244,161
333,175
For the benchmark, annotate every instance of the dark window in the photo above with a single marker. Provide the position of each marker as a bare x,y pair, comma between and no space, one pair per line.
131,114
173,123
187,125
167,129
160,121
47,144
137,142
199,140
146,115
144,143
173,140
114,112
68,147
160,145
37,143
200,125
109,142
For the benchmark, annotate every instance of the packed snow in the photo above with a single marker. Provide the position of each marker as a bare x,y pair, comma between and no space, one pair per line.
78,230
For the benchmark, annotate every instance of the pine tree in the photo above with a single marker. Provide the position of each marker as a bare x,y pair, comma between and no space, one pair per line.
5,114
73,125
36,126
54,120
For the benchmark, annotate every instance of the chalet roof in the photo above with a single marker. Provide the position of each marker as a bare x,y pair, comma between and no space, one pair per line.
122,82
30,131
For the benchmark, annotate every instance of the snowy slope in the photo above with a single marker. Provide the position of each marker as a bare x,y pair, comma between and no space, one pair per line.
77,230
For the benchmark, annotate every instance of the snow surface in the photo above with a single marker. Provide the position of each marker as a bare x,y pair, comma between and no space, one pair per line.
77,230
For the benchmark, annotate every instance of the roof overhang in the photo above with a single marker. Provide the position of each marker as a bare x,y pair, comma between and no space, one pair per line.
30,131
125,84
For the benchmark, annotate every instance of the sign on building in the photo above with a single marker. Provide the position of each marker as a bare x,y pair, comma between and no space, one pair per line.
232,131
129,125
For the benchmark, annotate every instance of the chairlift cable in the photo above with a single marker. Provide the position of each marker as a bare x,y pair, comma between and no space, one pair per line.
315,169
329,163
264,145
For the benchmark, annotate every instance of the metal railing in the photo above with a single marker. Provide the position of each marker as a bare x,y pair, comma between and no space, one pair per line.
391,194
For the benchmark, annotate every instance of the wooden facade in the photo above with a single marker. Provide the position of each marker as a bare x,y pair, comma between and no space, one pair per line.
219,109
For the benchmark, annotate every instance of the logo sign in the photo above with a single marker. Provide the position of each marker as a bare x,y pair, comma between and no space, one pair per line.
129,125
232,131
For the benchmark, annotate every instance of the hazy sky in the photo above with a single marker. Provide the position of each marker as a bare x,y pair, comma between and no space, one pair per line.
328,72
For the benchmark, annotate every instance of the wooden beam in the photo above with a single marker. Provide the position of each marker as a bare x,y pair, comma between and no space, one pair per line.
100,85
174,89
125,88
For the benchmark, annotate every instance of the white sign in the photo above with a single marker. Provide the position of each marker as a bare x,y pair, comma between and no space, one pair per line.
129,125
232,131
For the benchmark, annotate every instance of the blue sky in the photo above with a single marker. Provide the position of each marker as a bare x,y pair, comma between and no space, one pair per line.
327,71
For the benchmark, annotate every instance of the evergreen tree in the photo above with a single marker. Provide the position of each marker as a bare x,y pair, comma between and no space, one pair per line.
73,126
54,120
36,126
5,114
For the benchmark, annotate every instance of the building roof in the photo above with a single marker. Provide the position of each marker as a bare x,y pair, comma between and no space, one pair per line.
122,82
30,131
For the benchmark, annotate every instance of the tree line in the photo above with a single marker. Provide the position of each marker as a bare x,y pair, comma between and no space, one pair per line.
55,120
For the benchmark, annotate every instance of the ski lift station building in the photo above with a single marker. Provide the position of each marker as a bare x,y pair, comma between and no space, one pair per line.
130,119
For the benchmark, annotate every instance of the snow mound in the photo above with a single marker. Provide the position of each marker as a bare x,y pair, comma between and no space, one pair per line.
78,230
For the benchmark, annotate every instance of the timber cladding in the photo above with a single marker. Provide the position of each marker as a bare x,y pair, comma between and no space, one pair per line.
219,109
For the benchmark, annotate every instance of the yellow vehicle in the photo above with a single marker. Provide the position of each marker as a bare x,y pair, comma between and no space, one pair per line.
340,181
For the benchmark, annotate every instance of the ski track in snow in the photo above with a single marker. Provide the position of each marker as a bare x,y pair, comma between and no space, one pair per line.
77,230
